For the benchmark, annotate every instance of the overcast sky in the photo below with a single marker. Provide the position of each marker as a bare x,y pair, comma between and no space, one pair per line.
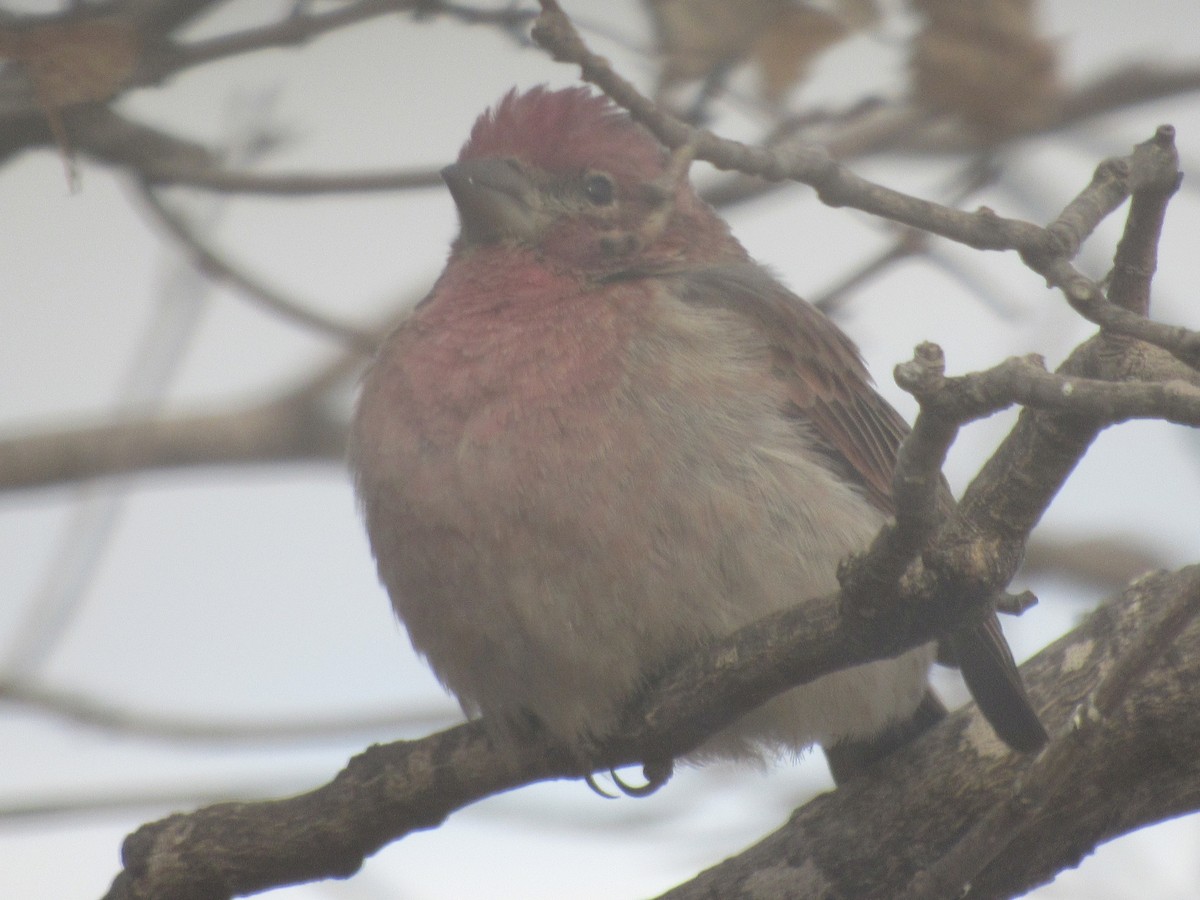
249,596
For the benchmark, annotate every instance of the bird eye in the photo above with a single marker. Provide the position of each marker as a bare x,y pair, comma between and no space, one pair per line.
599,189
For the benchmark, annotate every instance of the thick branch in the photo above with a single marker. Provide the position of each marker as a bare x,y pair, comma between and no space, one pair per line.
389,791
1137,765
906,814
1015,487
1039,790
289,429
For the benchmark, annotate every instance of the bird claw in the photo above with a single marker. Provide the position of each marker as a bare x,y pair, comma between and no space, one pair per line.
596,789
656,774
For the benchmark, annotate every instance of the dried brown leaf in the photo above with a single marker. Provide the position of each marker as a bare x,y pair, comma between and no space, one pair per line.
784,52
73,62
985,62
699,38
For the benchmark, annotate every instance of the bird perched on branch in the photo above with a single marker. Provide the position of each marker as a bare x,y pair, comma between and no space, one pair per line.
608,436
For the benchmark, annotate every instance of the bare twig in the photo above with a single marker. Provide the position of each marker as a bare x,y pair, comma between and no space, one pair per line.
1047,251
289,32
808,164
1016,485
124,800
304,422
905,130
96,713
1014,509
1107,561
289,184
1025,381
299,29
911,243
214,265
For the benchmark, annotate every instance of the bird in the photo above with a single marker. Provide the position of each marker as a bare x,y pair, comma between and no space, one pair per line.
607,436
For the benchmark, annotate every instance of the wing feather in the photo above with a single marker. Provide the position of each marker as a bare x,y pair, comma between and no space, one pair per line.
859,433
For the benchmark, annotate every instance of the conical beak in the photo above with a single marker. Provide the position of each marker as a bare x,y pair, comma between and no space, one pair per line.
496,201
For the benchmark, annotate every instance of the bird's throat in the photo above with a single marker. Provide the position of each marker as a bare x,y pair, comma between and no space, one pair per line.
520,348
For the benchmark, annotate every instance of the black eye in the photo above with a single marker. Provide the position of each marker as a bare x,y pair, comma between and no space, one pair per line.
599,189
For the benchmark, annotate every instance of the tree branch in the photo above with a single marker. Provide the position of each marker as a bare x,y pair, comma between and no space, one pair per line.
290,184
905,815
96,713
1151,169
217,268
299,425
1135,766
392,790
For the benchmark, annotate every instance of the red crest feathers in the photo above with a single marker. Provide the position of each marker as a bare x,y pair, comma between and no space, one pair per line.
566,131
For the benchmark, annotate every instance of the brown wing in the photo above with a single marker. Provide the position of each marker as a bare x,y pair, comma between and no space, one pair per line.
861,429
828,385
830,389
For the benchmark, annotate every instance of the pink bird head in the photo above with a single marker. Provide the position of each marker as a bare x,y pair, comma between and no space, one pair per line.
570,175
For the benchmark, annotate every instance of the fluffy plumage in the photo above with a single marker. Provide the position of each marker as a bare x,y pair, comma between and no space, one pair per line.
607,436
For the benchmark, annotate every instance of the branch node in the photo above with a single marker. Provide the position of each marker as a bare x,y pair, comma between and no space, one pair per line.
1016,604
1164,137
925,373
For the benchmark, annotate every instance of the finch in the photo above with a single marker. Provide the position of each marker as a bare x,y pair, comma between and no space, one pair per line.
608,436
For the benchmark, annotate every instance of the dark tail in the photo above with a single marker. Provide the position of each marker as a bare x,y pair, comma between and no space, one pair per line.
991,675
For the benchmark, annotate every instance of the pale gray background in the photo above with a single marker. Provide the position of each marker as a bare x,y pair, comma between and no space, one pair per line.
251,596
